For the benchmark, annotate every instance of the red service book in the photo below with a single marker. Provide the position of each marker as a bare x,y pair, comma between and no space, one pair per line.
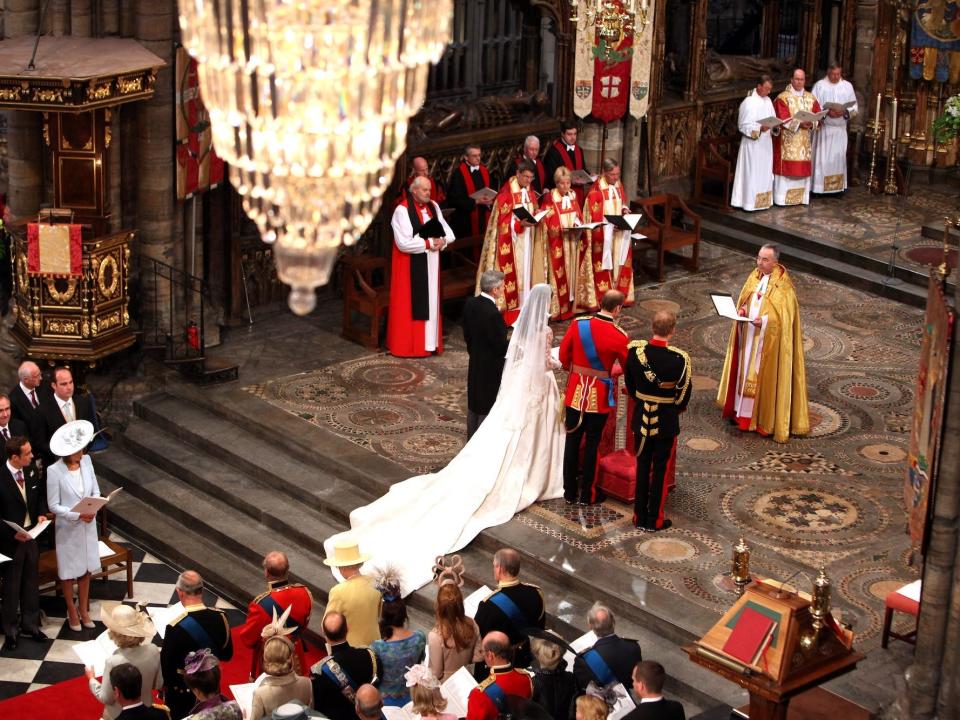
749,637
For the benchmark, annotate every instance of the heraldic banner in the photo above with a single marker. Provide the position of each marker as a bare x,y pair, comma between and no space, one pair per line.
198,167
54,250
928,405
642,57
935,41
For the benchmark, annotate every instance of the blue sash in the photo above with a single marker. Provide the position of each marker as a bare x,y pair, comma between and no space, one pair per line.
590,350
599,667
197,633
270,606
510,609
496,694
341,679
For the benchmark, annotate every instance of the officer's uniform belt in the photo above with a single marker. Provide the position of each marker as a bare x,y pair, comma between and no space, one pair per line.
589,371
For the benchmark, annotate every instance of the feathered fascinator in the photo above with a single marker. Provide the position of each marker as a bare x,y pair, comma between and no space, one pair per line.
448,570
421,675
278,629
608,693
388,584
200,661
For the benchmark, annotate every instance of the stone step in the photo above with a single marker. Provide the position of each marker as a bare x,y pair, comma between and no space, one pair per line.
851,275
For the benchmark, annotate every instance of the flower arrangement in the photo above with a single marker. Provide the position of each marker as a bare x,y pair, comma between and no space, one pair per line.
947,126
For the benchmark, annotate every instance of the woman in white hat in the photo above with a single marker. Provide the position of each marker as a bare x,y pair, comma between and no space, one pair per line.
131,631
69,480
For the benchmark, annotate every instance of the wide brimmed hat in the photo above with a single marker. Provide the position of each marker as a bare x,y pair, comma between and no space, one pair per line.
125,620
346,552
71,437
293,710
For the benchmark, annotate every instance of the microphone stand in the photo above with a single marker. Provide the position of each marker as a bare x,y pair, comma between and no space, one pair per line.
891,280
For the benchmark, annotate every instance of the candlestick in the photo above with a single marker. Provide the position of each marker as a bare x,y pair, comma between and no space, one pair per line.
741,565
873,179
876,117
893,126
891,185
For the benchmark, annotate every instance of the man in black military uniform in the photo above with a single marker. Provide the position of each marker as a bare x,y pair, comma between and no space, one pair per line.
198,627
658,377
611,659
512,608
338,676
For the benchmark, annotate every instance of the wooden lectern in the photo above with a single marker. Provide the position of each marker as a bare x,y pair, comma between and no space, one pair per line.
794,656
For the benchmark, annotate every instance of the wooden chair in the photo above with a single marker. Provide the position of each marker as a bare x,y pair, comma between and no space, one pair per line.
896,601
366,291
716,164
666,233
459,278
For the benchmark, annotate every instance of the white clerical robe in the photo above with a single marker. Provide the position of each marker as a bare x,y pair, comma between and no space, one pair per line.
523,250
784,184
751,350
753,179
830,144
412,244
616,243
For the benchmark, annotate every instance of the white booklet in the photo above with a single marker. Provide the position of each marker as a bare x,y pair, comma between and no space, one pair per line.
484,194
94,653
162,616
243,694
772,122
41,525
91,505
804,116
584,642
399,713
625,222
912,590
472,601
725,307
582,177
839,106
456,691
586,226
624,702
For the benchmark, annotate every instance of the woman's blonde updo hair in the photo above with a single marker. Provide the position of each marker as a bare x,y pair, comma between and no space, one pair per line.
277,656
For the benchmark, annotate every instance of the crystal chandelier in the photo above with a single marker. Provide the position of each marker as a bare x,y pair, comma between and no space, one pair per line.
309,102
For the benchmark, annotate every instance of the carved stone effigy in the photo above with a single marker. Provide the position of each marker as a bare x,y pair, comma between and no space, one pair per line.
728,69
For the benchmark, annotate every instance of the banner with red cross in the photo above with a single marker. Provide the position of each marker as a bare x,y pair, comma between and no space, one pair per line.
602,67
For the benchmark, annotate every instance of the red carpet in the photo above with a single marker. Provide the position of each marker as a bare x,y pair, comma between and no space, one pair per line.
72,700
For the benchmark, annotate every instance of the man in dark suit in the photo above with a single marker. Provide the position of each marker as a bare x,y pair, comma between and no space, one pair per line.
486,336
127,683
512,608
22,501
648,680
469,216
25,399
611,659
62,406
9,426
657,374
198,627
338,677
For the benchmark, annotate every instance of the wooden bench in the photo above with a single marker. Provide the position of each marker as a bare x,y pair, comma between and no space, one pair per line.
716,164
459,263
366,291
665,232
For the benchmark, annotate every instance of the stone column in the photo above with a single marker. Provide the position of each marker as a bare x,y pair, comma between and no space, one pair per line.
81,18
631,157
57,21
161,233
110,17
21,17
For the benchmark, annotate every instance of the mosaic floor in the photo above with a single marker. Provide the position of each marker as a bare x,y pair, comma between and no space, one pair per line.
831,499
868,223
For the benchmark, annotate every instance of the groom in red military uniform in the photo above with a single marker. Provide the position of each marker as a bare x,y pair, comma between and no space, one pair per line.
488,700
588,351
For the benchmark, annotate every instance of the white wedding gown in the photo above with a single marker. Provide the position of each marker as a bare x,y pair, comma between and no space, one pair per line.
514,459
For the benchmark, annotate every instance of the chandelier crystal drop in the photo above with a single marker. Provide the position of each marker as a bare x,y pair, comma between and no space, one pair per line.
309,102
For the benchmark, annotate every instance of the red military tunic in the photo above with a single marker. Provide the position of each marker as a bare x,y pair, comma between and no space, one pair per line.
585,391
480,706
260,614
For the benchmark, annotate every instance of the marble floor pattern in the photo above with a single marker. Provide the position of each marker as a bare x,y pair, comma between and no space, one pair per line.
832,499
34,665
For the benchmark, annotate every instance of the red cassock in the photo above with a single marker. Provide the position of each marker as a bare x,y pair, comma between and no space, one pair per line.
282,594
586,392
788,159
406,336
511,681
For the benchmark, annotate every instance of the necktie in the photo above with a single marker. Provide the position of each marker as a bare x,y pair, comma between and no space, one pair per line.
19,477
570,148
474,168
6,434
68,411
33,399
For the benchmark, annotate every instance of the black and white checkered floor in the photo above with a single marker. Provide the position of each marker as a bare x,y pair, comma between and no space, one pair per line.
36,665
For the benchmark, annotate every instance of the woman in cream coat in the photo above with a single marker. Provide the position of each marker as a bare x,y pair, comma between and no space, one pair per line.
69,480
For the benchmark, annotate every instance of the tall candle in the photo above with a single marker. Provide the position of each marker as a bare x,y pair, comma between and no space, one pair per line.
893,131
876,118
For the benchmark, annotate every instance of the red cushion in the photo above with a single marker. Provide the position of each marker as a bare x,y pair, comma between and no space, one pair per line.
902,603
617,475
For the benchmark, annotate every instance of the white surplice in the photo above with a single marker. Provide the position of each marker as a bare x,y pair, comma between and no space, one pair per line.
523,239
514,459
751,349
830,143
616,243
753,179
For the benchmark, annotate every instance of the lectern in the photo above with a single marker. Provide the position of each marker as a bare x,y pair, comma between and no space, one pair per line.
771,645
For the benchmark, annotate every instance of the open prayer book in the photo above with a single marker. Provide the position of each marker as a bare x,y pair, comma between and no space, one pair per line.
725,307
772,122
472,601
839,106
522,214
94,653
624,222
586,226
162,616
804,116
624,702
484,194
582,177
243,694
92,505
42,524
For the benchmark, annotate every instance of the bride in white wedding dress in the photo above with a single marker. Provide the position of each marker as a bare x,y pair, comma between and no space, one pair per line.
514,459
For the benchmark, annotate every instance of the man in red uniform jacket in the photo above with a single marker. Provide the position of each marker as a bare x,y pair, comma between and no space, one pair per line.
588,351
280,595
489,699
